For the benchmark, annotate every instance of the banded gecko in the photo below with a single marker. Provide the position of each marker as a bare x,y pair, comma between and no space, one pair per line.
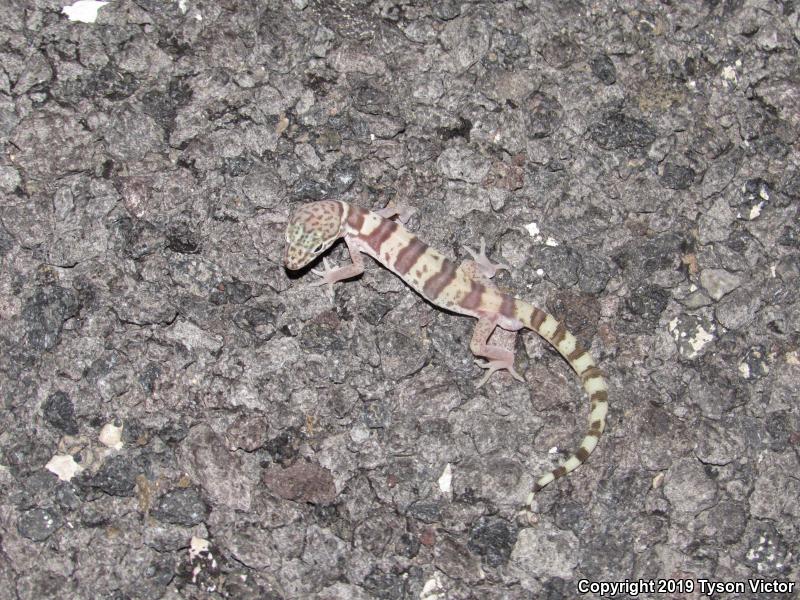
464,289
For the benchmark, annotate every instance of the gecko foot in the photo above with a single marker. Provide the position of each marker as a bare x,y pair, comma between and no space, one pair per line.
485,266
328,276
492,366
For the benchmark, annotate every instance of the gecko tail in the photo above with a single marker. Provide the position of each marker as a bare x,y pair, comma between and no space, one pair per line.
593,380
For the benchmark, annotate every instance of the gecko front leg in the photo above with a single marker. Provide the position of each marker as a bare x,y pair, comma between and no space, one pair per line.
330,275
482,265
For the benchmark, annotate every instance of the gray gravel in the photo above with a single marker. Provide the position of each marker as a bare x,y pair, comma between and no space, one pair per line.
181,418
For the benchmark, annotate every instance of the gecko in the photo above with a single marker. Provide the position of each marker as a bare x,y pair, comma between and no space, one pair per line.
464,289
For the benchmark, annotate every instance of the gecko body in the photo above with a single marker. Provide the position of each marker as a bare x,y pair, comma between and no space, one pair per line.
465,289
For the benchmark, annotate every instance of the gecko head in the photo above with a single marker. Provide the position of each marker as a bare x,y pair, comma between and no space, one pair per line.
311,230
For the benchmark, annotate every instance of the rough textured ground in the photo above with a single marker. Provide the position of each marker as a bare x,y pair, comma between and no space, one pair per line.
635,162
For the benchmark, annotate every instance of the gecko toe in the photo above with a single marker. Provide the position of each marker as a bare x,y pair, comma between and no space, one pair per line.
493,366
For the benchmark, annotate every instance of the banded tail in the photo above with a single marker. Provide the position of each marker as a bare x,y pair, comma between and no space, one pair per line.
583,364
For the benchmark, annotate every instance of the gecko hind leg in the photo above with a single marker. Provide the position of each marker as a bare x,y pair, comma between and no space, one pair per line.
499,354
498,358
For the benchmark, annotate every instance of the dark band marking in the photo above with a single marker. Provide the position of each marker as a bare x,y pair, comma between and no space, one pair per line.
582,454
538,318
434,286
356,217
507,308
559,472
558,334
473,299
576,354
599,396
594,428
381,233
408,256
591,372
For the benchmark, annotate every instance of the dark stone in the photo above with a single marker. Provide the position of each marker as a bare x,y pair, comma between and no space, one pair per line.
603,68
44,315
648,301
135,238
33,584
493,539
182,238
560,50
26,454
164,105
756,194
237,166
92,514
462,130
407,545
59,412
328,140
322,335
790,237
514,46
134,433
149,375
173,433
660,252
677,177
33,488
307,189
372,100
65,497
38,524
116,476
386,586
427,512
617,130
283,447
754,188
112,83
376,414
259,320
230,292
181,507
780,427
543,114
344,173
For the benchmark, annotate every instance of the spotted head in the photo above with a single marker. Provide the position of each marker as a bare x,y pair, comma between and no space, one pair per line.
312,229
